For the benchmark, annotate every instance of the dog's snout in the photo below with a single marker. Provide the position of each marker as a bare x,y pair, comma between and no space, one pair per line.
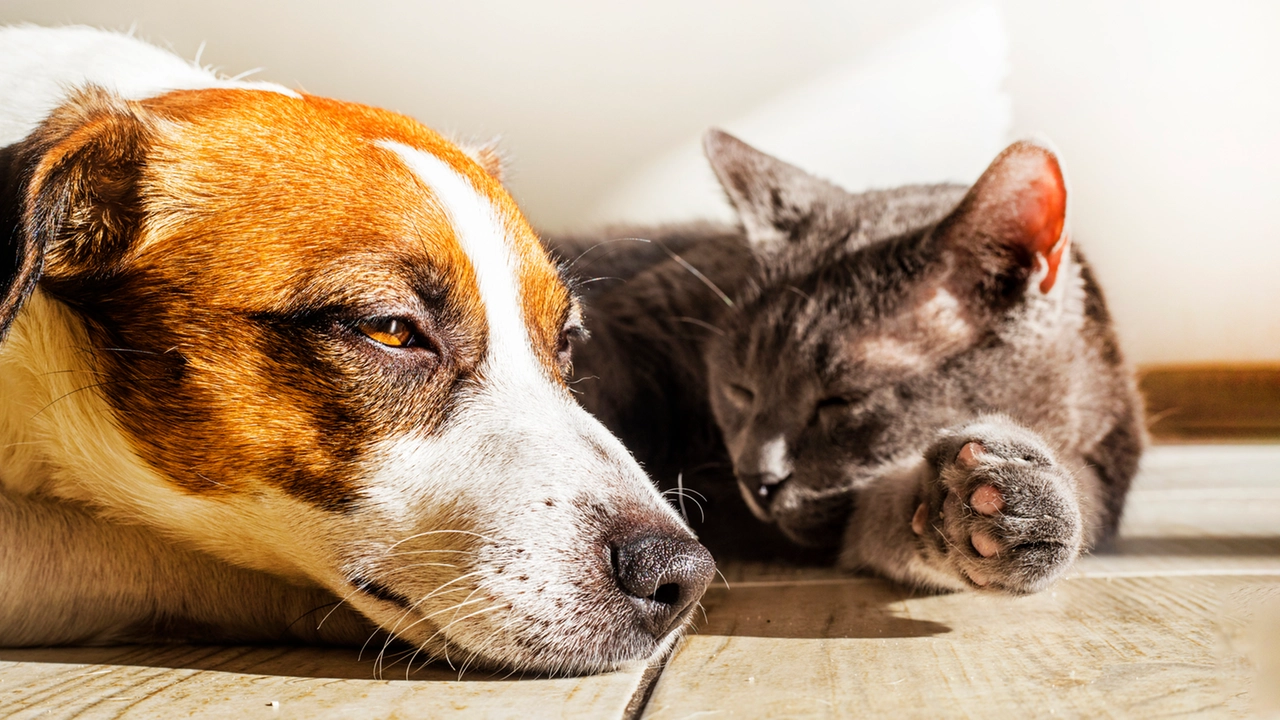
666,576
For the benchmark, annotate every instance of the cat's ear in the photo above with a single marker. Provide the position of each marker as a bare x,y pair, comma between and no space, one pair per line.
70,205
1011,227
777,202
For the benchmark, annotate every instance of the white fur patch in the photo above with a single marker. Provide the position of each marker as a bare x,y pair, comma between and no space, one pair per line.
773,457
482,235
39,67
941,314
1048,314
887,352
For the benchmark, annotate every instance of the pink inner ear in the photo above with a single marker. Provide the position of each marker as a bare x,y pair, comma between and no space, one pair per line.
1042,214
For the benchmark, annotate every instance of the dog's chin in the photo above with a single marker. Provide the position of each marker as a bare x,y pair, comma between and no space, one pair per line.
611,643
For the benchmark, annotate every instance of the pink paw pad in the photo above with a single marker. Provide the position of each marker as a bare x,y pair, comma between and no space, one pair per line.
985,544
971,454
918,520
987,500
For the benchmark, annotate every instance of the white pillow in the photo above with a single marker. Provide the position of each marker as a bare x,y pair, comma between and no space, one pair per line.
927,106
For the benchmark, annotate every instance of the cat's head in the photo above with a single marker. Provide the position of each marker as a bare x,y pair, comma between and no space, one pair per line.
849,349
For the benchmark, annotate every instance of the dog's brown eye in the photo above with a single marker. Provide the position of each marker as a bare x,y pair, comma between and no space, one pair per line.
392,332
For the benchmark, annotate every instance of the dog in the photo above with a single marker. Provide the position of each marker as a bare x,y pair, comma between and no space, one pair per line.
275,367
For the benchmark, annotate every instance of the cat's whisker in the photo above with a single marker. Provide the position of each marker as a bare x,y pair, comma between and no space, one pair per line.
601,244
696,273
801,293
702,324
589,281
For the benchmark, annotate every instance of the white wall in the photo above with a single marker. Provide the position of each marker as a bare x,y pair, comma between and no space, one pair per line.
1167,113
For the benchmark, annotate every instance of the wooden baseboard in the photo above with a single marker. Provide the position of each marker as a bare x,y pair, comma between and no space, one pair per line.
1203,402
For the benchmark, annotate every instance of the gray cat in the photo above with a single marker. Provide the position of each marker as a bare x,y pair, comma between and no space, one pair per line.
923,379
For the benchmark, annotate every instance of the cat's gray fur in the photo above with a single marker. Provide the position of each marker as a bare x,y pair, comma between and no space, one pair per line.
839,350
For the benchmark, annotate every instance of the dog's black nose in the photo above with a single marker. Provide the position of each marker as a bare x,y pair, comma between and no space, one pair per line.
665,576
761,488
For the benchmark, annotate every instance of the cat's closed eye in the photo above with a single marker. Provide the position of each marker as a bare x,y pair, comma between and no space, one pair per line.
834,407
742,397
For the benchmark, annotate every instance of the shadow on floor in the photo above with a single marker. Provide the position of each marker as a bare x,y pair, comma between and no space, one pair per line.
284,661
813,610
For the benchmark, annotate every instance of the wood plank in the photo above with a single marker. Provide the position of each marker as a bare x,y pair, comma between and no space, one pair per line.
1092,647
1212,401
1176,556
1205,490
1210,467
183,681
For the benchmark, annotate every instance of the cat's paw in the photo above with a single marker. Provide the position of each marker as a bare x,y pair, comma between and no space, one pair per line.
998,512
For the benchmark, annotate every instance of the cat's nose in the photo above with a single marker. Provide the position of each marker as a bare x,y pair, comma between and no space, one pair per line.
759,490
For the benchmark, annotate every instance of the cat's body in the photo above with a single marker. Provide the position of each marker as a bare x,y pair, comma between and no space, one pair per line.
871,368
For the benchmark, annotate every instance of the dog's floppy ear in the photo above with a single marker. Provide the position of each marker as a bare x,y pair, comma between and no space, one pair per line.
71,203
777,202
20,257
1011,227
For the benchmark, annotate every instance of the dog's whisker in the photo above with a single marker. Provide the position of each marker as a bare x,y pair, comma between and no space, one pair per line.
73,370
410,566
460,554
681,493
427,533
335,607
493,638
441,588
313,610
55,401
723,579
491,608
122,350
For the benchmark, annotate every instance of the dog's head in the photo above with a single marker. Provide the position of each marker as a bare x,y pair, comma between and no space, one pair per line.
317,339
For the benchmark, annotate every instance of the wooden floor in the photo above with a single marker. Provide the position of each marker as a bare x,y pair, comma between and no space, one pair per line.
1182,619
